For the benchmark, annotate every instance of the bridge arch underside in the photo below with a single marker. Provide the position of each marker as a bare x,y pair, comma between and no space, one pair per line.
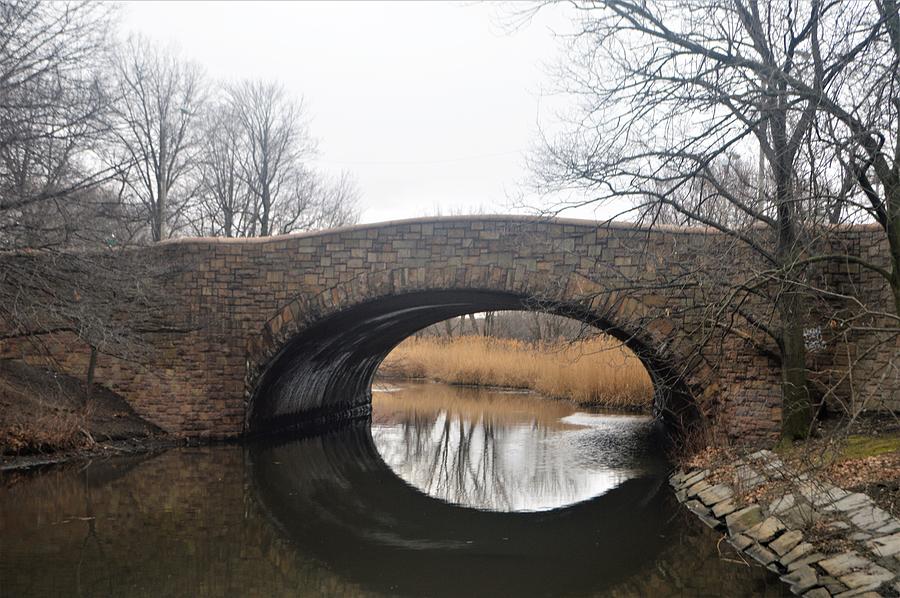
322,375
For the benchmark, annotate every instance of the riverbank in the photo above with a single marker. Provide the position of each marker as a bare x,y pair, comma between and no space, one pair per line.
47,417
824,514
597,372
99,451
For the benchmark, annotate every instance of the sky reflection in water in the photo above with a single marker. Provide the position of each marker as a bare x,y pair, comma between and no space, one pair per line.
502,451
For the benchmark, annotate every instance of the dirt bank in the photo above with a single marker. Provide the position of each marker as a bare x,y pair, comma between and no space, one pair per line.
46,417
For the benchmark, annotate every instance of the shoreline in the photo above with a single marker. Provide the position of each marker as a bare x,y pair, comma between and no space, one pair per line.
636,409
112,448
822,540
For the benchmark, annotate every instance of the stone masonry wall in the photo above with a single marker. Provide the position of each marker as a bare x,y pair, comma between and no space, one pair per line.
231,305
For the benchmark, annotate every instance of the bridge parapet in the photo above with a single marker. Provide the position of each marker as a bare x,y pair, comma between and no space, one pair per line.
264,333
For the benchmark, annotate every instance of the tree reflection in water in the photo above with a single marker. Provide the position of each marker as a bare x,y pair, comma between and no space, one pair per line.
325,516
502,451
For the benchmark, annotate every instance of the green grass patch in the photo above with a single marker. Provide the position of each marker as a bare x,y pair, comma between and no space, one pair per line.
855,446
860,447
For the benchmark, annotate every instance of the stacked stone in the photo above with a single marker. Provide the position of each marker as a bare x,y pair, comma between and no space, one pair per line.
771,534
228,307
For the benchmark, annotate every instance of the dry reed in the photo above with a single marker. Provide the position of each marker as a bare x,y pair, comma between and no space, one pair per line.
598,371
417,402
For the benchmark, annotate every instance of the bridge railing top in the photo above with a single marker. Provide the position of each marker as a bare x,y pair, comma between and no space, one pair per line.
493,218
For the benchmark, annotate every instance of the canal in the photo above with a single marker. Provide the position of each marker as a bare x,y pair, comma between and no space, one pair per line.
448,491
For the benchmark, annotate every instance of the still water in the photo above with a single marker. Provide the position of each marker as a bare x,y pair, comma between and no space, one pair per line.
449,492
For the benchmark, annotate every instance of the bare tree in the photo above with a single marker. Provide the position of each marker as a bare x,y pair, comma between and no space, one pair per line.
157,108
858,58
254,176
317,202
53,107
224,192
674,93
55,194
278,142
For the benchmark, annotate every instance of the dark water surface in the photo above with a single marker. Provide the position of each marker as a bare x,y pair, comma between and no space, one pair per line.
450,492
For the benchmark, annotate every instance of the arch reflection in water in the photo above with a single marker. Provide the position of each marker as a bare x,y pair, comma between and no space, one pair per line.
339,502
506,451
325,516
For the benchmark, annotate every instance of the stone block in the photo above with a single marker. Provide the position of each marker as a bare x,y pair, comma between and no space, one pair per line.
724,508
782,504
844,563
696,507
869,517
762,455
747,477
697,488
761,554
766,530
786,542
867,579
740,541
831,585
676,479
849,503
821,494
801,579
885,545
715,494
796,552
809,559
892,526
742,520
693,477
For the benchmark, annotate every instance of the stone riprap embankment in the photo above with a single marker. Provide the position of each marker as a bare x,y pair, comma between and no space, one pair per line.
773,533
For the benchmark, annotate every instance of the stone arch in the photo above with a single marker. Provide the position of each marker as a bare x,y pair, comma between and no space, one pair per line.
313,362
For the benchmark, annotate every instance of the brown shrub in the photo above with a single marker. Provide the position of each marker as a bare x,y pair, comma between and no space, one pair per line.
52,431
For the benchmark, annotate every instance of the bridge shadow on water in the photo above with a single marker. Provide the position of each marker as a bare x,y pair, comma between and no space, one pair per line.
335,497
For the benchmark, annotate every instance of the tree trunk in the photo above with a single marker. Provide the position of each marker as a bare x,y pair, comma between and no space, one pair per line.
893,235
162,185
474,324
229,222
92,365
265,193
160,233
536,334
797,413
264,217
488,329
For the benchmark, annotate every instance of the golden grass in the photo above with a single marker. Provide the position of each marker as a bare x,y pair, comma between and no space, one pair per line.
598,371
418,401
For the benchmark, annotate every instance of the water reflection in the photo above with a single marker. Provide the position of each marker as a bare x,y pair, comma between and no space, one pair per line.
326,516
503,451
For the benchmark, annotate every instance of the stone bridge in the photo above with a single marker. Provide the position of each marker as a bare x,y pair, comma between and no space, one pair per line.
287,332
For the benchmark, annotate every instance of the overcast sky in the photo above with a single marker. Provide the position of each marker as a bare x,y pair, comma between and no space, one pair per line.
430,105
